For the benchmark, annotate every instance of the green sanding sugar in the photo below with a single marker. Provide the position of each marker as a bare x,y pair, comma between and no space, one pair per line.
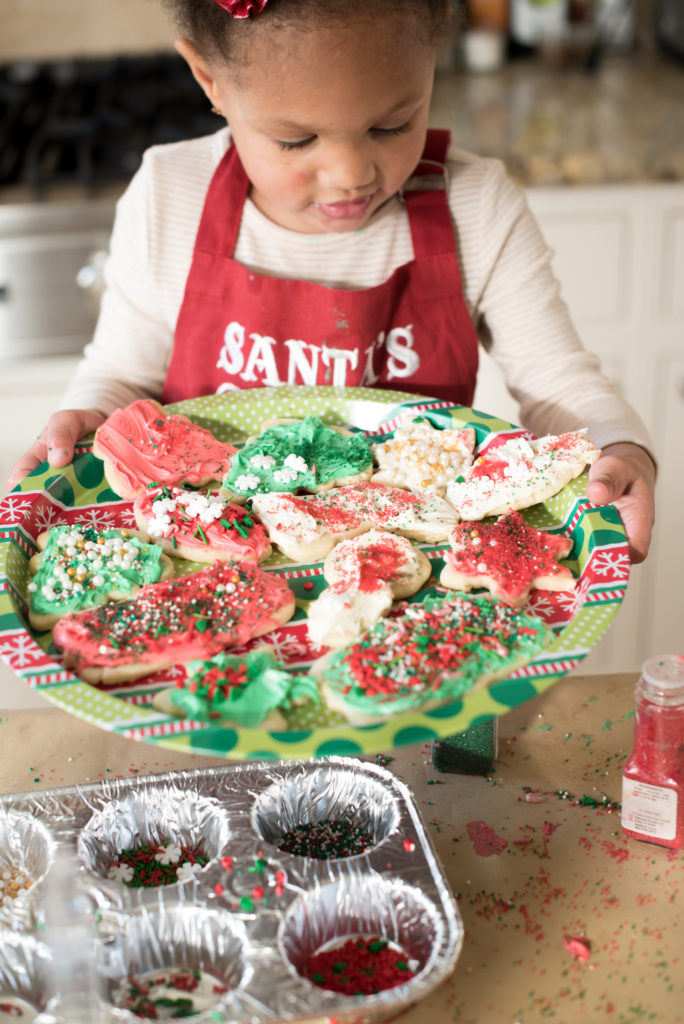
472,752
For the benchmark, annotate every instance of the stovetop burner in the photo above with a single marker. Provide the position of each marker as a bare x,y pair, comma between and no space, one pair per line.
88,122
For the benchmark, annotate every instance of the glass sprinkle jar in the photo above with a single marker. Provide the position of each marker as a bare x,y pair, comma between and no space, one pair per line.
653,779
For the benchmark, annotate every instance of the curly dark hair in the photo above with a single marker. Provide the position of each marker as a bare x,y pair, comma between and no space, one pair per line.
217,34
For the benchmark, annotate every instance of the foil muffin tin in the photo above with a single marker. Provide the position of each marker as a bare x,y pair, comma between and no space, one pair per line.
249,918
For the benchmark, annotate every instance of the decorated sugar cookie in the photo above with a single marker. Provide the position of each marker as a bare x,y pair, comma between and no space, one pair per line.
142,444
200,526
507,557
519,473
78,567
249,689
422,458
365,575
171,622
424,654
299,455
306,527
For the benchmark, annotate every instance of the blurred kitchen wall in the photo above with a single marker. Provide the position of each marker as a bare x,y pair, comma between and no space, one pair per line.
49,29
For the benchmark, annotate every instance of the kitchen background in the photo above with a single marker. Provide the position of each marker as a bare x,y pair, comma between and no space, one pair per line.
582,99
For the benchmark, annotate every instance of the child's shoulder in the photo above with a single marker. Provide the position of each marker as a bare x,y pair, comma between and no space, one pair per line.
189,156
478,182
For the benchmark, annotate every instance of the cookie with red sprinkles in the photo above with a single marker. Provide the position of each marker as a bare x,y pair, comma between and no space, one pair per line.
425,654
172,622
508,557
360,966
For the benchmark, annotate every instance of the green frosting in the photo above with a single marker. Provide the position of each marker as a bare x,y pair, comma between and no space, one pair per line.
241,688
438,650
294,456
82,565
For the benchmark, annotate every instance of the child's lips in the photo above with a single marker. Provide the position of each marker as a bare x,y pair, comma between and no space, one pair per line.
345,209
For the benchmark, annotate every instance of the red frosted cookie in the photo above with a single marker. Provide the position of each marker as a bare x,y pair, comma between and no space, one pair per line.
169,623
508,558
143,445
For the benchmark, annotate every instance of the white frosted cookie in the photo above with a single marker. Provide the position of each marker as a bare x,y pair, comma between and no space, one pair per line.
423,458
79,566
306,527
364,575
519,473
201,526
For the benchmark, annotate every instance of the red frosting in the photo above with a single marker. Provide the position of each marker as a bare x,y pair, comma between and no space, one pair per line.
511,554
143,445
192,616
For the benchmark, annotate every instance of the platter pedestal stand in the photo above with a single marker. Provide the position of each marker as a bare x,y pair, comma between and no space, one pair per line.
472,752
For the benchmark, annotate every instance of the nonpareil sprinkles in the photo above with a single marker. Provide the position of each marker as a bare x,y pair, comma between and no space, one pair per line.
360,967
171,995
329,839
156,864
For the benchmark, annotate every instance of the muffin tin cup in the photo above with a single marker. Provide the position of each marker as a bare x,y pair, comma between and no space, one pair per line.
26,850
25,979
253,913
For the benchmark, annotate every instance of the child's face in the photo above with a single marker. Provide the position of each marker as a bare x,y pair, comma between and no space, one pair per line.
329,122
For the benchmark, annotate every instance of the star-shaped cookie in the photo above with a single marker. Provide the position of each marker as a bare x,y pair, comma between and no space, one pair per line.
509,558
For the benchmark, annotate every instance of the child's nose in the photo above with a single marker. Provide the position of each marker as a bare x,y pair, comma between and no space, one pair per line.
347,168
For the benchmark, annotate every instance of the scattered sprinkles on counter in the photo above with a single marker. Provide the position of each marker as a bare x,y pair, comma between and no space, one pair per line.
360,966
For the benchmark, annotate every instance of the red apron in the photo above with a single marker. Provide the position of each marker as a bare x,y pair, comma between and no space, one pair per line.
238,329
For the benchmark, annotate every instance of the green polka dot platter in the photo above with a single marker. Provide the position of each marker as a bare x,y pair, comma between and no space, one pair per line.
79,493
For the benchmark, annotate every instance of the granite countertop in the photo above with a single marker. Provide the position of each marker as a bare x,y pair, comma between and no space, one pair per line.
621,124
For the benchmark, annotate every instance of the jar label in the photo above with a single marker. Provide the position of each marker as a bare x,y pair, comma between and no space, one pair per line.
650,810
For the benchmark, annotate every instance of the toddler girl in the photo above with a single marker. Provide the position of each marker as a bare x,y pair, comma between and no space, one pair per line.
325,236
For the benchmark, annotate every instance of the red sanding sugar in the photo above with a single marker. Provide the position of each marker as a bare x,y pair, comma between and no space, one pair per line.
360,967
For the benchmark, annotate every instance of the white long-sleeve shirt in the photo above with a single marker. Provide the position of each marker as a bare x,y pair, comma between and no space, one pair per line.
509,288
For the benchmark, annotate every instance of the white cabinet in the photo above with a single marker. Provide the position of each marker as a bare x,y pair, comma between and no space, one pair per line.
619,254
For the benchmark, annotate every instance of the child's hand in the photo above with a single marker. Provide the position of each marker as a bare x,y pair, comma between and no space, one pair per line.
625,477
56,441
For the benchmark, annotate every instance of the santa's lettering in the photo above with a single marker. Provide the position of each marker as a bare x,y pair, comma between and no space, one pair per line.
257,359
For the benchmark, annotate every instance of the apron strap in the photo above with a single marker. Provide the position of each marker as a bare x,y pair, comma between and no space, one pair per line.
219,234
426,198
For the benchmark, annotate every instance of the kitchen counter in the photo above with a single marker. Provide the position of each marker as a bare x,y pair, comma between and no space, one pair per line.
566,920
566,126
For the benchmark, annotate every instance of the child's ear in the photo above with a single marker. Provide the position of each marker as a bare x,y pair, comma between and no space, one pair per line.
200,69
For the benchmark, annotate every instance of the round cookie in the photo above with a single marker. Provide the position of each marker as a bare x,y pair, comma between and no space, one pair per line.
78,567
142,446
199,526
298,455
365,576
169,623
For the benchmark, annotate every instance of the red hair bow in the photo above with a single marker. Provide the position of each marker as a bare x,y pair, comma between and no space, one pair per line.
242,8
